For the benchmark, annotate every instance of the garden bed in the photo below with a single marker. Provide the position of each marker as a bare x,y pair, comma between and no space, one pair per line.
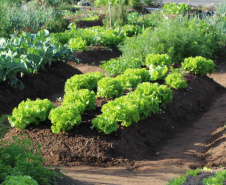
86,146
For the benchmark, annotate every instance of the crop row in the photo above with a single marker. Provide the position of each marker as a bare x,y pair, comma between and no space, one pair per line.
79,96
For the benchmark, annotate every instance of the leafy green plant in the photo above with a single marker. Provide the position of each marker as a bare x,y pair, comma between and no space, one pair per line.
121,110
144,20
177,181
78,44
109,87
129,80
83,81
142,73
19,180
105,124
198,65
157,72
126,110
176,39
119,65
218,179
19,158
129,30
162,92
193,172
64,118
28,54
83,99
158,60
173,8
176,81
30,112
95,35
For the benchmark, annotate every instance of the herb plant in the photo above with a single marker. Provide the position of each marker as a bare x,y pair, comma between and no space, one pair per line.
19,158
19,180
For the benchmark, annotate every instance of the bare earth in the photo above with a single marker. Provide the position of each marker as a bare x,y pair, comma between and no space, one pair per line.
186,150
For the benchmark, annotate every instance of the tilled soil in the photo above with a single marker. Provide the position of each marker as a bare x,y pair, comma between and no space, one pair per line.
140,142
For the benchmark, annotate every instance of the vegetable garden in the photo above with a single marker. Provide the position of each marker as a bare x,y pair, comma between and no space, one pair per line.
153,83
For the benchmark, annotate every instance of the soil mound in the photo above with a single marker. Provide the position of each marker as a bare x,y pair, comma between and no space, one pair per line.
138,142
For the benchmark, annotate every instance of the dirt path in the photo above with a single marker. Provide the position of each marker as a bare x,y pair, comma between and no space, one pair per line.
186,150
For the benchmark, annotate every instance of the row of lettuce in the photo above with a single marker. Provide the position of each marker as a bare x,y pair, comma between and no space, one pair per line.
135,93
218,178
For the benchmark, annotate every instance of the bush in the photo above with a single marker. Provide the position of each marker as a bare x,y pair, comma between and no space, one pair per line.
109,88
30,112
176,39
198,65
64,118
176,81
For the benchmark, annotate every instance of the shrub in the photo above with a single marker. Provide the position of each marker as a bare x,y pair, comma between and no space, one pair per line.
176,81
64,118
176,39
109,88
198,65
30,112
158,60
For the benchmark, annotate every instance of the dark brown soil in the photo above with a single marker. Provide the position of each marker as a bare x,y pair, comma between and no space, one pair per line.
85,146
